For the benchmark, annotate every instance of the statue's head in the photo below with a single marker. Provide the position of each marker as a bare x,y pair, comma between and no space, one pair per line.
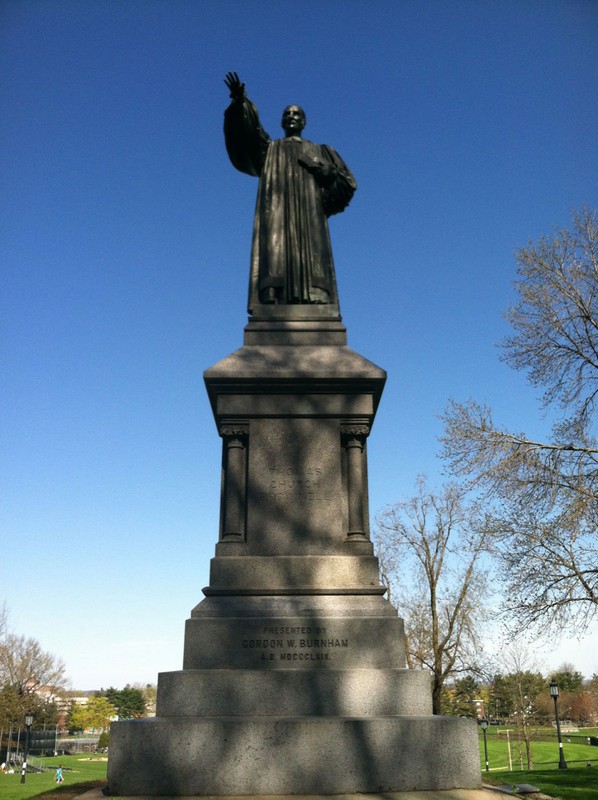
293,120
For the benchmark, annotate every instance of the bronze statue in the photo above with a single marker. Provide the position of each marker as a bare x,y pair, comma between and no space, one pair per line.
301,185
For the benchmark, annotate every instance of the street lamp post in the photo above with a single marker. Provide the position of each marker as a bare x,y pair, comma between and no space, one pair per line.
28,723
484,726
554,691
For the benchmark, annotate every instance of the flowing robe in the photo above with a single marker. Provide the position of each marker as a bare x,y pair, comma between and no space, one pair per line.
291,253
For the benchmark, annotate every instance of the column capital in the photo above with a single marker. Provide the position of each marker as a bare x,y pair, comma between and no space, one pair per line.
234,432
354,434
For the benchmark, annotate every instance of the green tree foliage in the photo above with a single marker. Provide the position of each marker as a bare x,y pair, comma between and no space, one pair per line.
13,707
545,491
465,692
129,702
578,699
567,678
94,715
429,548
500,703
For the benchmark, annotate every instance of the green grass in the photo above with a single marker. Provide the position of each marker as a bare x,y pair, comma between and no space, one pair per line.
77,770
575,783
545,754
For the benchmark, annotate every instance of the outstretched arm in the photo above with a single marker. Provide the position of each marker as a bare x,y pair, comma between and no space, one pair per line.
246,140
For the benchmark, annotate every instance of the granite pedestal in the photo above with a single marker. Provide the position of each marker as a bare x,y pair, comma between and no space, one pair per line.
293,678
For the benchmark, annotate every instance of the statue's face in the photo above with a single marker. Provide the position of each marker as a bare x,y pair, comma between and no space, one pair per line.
293,120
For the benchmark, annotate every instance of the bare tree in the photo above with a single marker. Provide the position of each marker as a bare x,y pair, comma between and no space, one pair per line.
520,689
26,667
3,621
546,492
550,568
430,547
556,318
29,678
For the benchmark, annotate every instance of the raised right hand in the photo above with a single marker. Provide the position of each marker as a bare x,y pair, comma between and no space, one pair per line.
235,86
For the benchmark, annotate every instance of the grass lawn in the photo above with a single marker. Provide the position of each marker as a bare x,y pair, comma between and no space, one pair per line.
78,772
575,783
545,754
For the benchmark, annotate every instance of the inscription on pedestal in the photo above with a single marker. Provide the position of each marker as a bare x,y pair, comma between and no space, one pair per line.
295,485
289,484
252,643
294,643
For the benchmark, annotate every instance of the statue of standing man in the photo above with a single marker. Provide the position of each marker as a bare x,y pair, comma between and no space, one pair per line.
301,185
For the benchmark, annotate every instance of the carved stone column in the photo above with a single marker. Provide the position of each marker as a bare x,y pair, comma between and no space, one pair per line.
353,439
234,490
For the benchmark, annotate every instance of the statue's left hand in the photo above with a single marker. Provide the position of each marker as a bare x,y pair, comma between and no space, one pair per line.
317,168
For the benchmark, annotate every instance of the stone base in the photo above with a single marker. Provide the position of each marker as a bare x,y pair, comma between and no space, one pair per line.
487,792
294,693
293,679
276,755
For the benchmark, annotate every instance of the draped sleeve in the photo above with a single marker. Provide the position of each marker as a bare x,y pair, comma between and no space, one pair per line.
339,190
246,141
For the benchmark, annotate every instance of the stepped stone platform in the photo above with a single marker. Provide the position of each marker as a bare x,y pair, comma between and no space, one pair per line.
294,678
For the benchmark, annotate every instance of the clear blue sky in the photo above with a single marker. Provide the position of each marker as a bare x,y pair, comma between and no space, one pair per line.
471,128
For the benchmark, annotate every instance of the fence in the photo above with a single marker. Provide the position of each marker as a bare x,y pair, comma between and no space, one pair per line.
42,743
